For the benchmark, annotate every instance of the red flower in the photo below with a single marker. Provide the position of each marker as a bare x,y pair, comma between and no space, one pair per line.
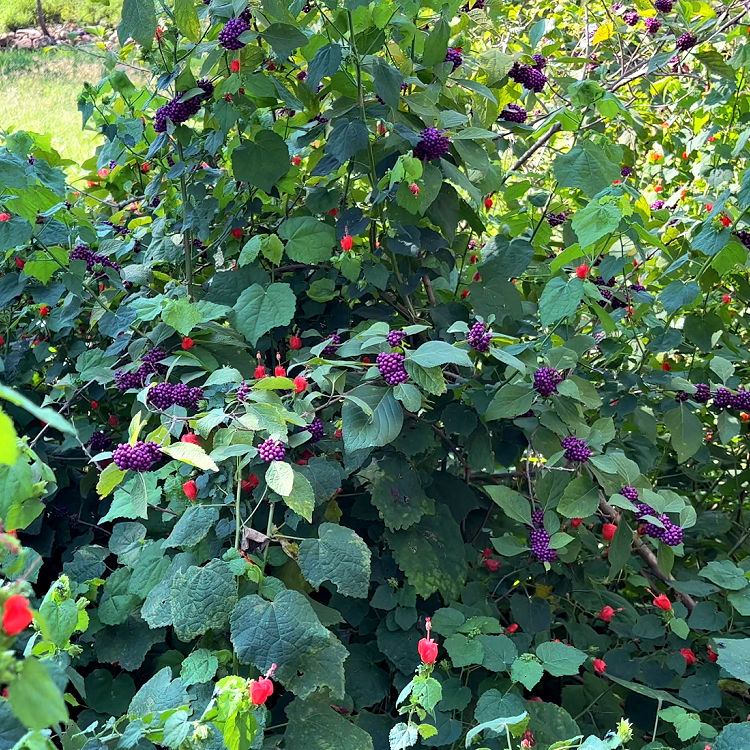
511,628
300,384
608,531
576,522
476,277
488,202
16,614
464,293
94,404
658,188
346,242
709,206
145,166
582,271
711,654
381,129
113,420
607,613
187,343
688,655
260,372
492,565
190,437
279,371
726,298
487,553
234,66
2,339
44,310
295,342
103,172
20,262
725,220
237,232
271,66
333,212
600,666
414,188
260,690
338,434
428,650
684,154
190,488
296,161
662,602
666,367
249,484
4,216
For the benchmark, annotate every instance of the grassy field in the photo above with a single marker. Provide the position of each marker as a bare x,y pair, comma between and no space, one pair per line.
15,14
40,94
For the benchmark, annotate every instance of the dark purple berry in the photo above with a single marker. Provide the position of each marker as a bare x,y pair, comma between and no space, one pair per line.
391,367
576,449
722,398
99,442
681,396
702,393
92,259
631,493
744,237
453,55
686,41
631,17
540,61
234,28
555,220
271,450
652,24
672,534
334,341
741,400
514,113
316,429
657,204
665,6
546,380
537,518
139,457
479,337
242,391
626,172
433,144
539,541
529,77
164,395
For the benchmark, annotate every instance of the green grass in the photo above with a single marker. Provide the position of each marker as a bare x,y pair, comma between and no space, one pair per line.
16,14
40,94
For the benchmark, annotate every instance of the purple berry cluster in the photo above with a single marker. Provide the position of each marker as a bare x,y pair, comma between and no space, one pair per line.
631,493
164,395
234,28
576,449
540,61
479,337
657,204
529,76
555,220
514,113
626,171
242,391
652,24
391,367
334,341
395,338
631,17
722,398
686,41
99,442
178,111
316,429
702,393
453,55
137,379
92,259
539,539
744,237
432,145
665,6
138,457
272,450
546,380
671,534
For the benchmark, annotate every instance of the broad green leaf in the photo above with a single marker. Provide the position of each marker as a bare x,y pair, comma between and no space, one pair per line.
685,430
338,555
186,18
44,414
138,22
361,430
515,505
560,299
307,239
199,666
192,526
560,659
258,310
580,499
262,162
527,670
434,353
302,497
280,477
109,479
594,221
181,315
190,454
8,440
586,166
34,697
511,401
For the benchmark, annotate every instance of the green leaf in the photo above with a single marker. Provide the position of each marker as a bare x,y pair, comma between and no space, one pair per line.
686,431
14,233
560,299
527,670
34,697
464,651
138,22
434,353
347,138
284,38
302,497
258,310
436,44
429,379
580,499
200,666
323,65
511,401
677,295
733,737
160,693
387,82
594,221
560,659
314,725
60,619
190,454
192,526
181,315
586,166
186,18
307,239
339,556
280,477
44,414
402,736
202,599
361,430
724,573
278,632
8,440
515,505
262,162
495,725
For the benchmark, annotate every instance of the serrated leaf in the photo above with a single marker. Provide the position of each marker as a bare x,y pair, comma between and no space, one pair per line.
192,526
560,659
527,670
515,505
280,477
34,697
512,400
182,315
435,353
190,454
258,310
307,239
381,427
186,18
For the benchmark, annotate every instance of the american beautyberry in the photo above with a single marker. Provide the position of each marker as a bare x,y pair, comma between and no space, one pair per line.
334,340
316,430
139,457
394,338
686,41
453,55
722,398
652,24
631,493
391,367
514,113
433,144
575,449
479,337
546,380
229,36
271,450
631,17
702,393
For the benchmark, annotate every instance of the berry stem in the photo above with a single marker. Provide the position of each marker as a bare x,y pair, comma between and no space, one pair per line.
186,242
237,496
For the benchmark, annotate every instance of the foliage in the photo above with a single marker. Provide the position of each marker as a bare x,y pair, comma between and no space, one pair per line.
504,343
16,14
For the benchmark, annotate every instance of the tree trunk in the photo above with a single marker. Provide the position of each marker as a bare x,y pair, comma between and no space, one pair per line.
40,18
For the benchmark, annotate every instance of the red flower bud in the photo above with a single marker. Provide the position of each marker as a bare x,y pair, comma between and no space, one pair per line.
260,690
44,310
187,343
237,232
576,522
488,203
666,367
511,628
300,384
16,614
295,342
726,298
190,437
279,371
20,263
346,242
94,404
4,216
260,372
2,339
709,206
234,66
711,654
190,488
582,271
492,565
249,484
607,613
600,666
688,656
428,650
296,161
415,190
662,602
464,293
608,531
113,420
